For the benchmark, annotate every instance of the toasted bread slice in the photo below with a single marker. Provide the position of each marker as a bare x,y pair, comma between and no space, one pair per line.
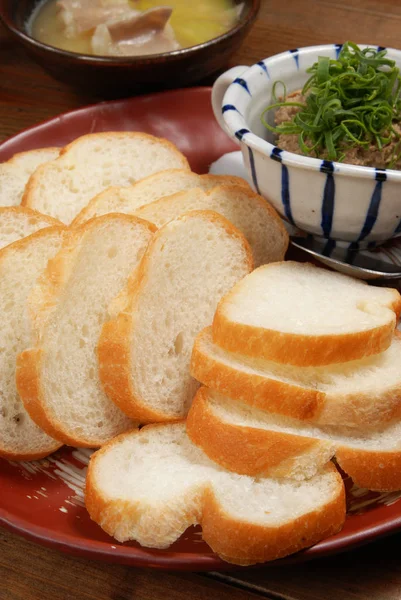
298,314
145,350
93,163
58,378
150,485
362,394
21,264
165,183
234,435
15,173
249,212
17,222
253,442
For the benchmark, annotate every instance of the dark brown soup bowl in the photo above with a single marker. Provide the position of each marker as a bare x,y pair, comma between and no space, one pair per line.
114,76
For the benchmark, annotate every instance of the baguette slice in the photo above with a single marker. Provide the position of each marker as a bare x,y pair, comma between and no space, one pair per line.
94,162
249,212
360,394
17,222
302,315
253,442
58,378
244,440
15,173
20,266
151,485
165,183
145,350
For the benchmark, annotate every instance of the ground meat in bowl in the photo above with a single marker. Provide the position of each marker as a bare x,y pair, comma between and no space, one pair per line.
357,155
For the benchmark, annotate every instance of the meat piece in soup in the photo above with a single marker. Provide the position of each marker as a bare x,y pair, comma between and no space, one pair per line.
143,33
81,16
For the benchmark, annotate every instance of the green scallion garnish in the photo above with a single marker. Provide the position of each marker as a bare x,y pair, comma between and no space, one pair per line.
349,102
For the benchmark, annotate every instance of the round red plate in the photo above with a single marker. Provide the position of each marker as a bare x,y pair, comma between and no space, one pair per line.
43,500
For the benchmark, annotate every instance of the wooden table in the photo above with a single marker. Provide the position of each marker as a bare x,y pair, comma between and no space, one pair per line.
30,572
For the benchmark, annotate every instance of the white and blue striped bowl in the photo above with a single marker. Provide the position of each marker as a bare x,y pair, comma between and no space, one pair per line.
340,202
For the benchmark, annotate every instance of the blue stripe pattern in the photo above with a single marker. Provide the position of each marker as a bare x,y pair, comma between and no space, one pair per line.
338,48
240,133
263,66
295,52
374,205
285,184
243,84
328,198
228,107
276,154
285,193
253,170
380,48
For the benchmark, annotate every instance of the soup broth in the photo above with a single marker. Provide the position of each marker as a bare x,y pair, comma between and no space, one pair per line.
191,23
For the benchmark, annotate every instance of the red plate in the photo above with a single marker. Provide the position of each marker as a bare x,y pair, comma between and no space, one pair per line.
43,500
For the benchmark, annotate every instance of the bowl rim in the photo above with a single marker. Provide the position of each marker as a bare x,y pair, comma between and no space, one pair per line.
243,23
238,126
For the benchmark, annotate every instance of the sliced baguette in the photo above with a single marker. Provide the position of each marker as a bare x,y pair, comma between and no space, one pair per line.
359,394
249,212
253,442
298,314
58,378
151,485
15,173
165,183
21,264
17,222
234,436
94,162
145,350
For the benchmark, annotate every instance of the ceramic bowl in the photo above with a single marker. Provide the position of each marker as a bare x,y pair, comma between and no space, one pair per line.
339,202
116,76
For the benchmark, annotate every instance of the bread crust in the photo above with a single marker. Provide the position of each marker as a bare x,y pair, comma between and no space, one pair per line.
234,540
18,155
114,348
34,214
82,216
4,252
280,234
34,180
246,543
372,469
29,363
248,450
297,349
298,402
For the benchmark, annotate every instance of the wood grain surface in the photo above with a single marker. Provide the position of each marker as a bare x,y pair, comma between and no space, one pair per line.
30,572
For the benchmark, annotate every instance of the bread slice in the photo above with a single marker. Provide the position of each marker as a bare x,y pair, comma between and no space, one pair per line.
165,183
298,314
58,378
128,199
94,162
362,394
253,442
150,485
145,350
249,212
20,266
14,173
234,435
17,222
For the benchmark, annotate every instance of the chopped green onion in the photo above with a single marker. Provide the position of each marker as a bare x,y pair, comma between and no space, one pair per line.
349,102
